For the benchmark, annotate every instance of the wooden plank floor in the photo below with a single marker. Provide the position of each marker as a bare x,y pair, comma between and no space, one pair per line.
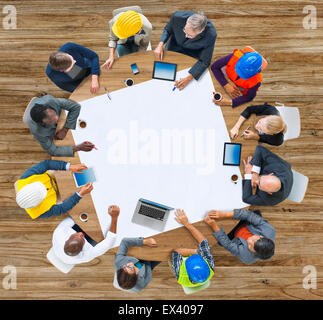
294,77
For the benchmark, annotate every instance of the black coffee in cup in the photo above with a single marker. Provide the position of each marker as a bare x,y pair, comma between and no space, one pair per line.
129,82
234,178
217,96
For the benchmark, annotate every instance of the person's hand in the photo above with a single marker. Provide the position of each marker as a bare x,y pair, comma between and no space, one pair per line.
234,132
215,215
181,217
61,134
159,52
87,188
232,90
84,146
210,221
247,165
108,64
223,102
78,167
150,242
250,135
114,211
182,83
254,180
94,85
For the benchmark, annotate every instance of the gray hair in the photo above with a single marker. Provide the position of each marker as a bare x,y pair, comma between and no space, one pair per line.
197,21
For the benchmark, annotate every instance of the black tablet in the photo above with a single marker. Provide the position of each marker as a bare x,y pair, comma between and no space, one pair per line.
164,71
231,154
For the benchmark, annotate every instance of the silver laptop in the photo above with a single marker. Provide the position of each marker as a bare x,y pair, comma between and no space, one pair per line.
151,214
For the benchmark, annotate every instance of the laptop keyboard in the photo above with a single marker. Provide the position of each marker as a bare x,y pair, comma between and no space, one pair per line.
151,212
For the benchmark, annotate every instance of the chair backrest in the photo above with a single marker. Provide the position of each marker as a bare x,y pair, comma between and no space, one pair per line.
27,111
190,290
264,61
59,264
299,187
292,119
124,9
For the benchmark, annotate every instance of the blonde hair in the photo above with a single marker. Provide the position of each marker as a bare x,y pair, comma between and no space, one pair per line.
275,124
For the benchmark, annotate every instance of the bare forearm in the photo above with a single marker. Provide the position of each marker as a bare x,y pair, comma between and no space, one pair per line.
240,121
195,233
185,252
113,226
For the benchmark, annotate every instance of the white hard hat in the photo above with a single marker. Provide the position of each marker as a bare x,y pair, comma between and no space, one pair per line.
31,195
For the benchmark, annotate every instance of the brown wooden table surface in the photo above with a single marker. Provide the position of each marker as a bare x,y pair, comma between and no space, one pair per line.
114,80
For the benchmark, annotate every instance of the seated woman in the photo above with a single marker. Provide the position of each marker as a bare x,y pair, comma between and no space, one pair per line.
243,68
72,63
270,128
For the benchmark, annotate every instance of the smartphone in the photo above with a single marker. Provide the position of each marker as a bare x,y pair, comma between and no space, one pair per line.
134,68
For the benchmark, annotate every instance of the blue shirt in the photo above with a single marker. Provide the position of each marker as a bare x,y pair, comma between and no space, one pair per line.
84,57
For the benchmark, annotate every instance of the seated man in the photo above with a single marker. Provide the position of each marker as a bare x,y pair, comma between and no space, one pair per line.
252,238
73,247
134,274
42,122
270,175
192,267
191,34
244,70
130,31
71,64
37,190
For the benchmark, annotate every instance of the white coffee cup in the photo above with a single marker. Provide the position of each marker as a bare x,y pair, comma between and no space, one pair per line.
235,178
129,82
84,217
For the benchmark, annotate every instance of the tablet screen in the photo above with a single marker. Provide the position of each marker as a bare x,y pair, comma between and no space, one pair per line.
83,178
231,155
164,71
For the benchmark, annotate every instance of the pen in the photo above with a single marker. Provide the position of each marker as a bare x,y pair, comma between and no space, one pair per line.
244,131
174,88
106,90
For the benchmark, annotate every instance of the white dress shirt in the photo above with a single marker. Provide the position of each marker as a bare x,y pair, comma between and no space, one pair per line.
64,231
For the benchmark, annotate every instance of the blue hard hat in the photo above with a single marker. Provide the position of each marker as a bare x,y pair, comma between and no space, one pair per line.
197,268
249,65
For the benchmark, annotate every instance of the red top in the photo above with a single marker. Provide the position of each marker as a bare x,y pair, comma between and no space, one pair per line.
243,232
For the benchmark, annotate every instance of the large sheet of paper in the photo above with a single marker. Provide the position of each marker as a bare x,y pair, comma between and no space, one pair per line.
158,144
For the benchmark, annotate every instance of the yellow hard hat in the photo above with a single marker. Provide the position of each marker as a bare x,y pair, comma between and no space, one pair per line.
127,25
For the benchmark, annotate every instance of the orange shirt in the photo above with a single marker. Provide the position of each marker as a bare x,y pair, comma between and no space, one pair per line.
243,232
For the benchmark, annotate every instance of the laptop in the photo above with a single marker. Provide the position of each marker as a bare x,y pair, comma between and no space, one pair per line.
151,214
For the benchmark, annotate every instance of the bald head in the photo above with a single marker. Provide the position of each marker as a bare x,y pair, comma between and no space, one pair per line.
74,245
269,183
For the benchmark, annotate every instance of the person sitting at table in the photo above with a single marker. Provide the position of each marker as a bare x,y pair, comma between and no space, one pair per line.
134,274
243,68
130,31
191,34
252,239
72,246
37,191
192,267
270,128
42,121
71,64
270,175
